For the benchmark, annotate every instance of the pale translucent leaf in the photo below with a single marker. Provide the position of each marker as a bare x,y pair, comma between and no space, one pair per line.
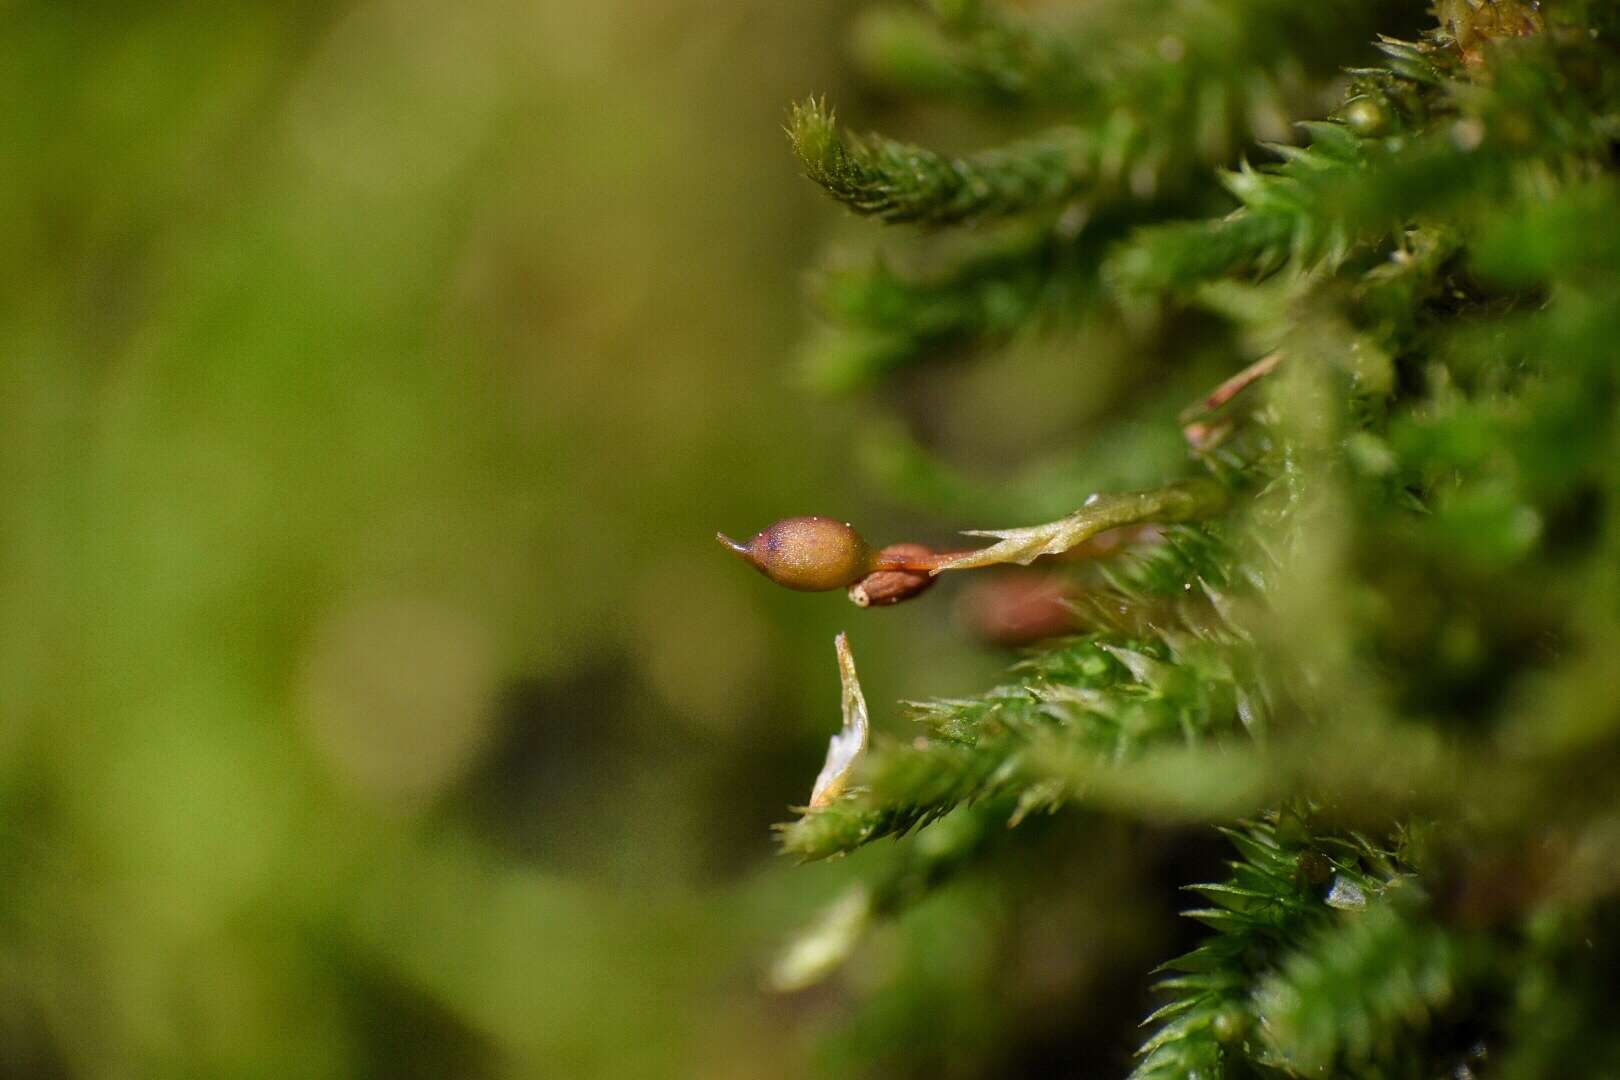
845,748
827,943
1346,895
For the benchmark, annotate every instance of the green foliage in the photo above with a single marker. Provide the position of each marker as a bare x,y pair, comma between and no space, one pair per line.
1287,884
974,52
895,181
1345,189
1356,992
881,320
1399,609
1153,88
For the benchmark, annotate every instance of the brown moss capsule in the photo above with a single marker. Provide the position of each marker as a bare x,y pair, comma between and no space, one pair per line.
881,588
811,554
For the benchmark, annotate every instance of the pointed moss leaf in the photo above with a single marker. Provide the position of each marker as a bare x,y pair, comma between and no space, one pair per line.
1187,501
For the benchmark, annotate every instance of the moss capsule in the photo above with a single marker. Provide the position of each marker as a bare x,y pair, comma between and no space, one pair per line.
811,554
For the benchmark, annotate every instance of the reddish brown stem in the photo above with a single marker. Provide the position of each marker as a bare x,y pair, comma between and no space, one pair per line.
916,562
1202,434
1232,387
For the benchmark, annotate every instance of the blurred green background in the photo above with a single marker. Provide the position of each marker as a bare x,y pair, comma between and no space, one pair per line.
375,699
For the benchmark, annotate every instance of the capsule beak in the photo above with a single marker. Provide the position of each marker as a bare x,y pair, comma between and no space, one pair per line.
741,550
